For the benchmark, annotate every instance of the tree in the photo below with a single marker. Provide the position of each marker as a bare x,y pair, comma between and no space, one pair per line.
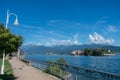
9,42
96,52
87,52
62,60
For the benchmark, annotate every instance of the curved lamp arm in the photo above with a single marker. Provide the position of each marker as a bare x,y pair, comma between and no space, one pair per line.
16,23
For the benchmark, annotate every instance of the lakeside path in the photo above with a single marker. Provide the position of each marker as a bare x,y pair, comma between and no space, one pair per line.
24,72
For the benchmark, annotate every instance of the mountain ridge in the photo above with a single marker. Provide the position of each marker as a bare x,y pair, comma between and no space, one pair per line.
65,49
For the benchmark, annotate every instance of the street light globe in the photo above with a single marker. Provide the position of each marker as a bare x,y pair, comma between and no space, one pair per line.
16,23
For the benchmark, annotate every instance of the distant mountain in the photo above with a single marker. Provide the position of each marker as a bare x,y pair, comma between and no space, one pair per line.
63,49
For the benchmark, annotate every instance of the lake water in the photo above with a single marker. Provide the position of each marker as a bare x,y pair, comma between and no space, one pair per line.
102,63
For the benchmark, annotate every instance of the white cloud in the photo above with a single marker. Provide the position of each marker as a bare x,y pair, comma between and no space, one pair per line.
75,36
102,20
54,21
104,17
63,42
50,42
99,39
53,41
74,41
29,43
31,26
57,33
111,28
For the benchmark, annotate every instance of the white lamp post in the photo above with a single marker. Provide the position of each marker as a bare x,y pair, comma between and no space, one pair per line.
16,23
2,67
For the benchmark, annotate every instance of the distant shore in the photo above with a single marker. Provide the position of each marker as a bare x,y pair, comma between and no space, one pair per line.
109,54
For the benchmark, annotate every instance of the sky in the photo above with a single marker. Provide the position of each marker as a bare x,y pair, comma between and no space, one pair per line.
64,22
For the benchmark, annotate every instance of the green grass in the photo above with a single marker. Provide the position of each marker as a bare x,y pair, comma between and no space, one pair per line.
8,73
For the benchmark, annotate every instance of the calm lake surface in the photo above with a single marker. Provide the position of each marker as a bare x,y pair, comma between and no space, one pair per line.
102,63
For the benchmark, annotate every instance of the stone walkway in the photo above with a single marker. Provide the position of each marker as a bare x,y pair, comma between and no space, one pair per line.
25,72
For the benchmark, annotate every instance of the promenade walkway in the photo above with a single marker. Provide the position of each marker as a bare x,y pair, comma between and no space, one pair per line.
25,72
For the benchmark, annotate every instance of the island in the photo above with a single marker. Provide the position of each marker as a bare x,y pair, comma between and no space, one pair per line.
93,52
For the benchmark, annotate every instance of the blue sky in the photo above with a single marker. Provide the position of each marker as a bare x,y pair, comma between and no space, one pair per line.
57,22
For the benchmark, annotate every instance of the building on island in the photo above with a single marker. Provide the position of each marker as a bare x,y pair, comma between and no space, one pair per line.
76,52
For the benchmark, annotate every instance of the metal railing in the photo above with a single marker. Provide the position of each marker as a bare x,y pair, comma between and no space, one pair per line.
74,72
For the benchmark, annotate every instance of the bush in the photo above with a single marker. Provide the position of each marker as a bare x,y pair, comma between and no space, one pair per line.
55,69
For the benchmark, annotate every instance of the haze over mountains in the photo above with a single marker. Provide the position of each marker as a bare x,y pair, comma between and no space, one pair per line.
64,49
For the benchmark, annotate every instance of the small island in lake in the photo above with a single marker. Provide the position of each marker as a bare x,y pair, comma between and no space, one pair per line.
93,52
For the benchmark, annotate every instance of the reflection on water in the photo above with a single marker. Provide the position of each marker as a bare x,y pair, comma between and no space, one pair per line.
103,63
